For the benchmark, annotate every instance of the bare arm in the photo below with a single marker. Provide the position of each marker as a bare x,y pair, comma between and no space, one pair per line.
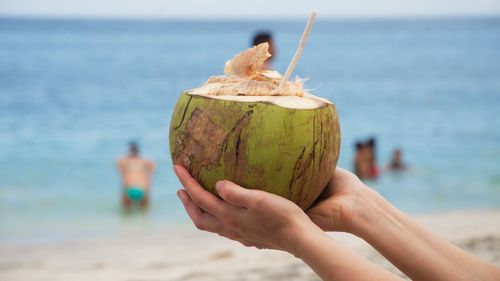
417,252
349,205
263,220
152,167
331,261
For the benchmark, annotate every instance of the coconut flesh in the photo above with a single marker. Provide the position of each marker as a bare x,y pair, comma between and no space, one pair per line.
243,127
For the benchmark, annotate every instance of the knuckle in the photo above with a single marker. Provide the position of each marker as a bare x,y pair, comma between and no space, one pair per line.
259,201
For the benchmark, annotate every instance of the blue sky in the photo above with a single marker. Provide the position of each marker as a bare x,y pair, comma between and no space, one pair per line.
247,9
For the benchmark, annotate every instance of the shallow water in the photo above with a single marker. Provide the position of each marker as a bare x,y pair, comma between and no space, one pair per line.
72,93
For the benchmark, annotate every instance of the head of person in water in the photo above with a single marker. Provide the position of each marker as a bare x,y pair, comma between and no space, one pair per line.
371,142
358,146
133,148
396,157
265,36
372,147
397,154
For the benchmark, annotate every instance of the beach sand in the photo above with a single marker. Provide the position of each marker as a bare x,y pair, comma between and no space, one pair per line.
189,254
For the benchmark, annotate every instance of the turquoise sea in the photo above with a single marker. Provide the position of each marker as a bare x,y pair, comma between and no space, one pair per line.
73,93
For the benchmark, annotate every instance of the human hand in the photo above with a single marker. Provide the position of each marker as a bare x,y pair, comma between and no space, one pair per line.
251,217
344,203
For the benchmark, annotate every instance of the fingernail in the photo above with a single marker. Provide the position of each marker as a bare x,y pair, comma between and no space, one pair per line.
176,169
219,186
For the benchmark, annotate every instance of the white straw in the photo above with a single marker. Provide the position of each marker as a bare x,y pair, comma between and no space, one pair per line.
298,53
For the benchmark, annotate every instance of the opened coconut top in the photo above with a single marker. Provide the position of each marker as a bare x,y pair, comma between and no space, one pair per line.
246,81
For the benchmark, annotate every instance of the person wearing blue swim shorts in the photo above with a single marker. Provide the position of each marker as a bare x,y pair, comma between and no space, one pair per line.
136,175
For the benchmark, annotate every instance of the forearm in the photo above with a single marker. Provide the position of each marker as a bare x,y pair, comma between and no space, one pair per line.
333,262
420,254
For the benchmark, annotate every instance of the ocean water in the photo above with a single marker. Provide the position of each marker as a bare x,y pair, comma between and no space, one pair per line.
73,93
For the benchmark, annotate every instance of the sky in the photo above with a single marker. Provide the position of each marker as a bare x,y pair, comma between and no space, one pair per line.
191,9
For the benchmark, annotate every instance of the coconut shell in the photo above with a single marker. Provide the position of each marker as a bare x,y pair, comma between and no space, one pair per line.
258,145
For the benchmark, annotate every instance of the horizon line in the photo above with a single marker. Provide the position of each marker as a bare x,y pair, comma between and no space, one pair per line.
244,18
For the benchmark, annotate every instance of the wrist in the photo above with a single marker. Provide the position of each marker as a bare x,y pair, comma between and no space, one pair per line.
372,214
301,237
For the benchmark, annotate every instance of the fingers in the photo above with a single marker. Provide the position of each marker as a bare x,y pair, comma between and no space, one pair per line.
202,220
204,199
236,194
207,222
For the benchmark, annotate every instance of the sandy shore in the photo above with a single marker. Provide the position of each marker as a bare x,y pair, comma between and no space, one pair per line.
188,254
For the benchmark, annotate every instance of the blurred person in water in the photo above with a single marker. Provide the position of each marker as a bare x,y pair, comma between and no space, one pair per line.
136,174
262,37
397,163
360,164
365,164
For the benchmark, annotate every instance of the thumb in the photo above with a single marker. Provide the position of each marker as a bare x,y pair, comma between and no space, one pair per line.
234,194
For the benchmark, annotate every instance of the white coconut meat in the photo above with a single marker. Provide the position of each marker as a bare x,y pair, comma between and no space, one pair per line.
245,81
306,101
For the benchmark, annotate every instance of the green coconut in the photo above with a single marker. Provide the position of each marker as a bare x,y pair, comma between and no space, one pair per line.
286,145
257,129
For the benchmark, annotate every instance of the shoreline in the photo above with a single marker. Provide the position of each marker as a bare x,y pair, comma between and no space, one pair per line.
188,254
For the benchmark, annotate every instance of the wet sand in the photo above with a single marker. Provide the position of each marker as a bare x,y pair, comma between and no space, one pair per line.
188,254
